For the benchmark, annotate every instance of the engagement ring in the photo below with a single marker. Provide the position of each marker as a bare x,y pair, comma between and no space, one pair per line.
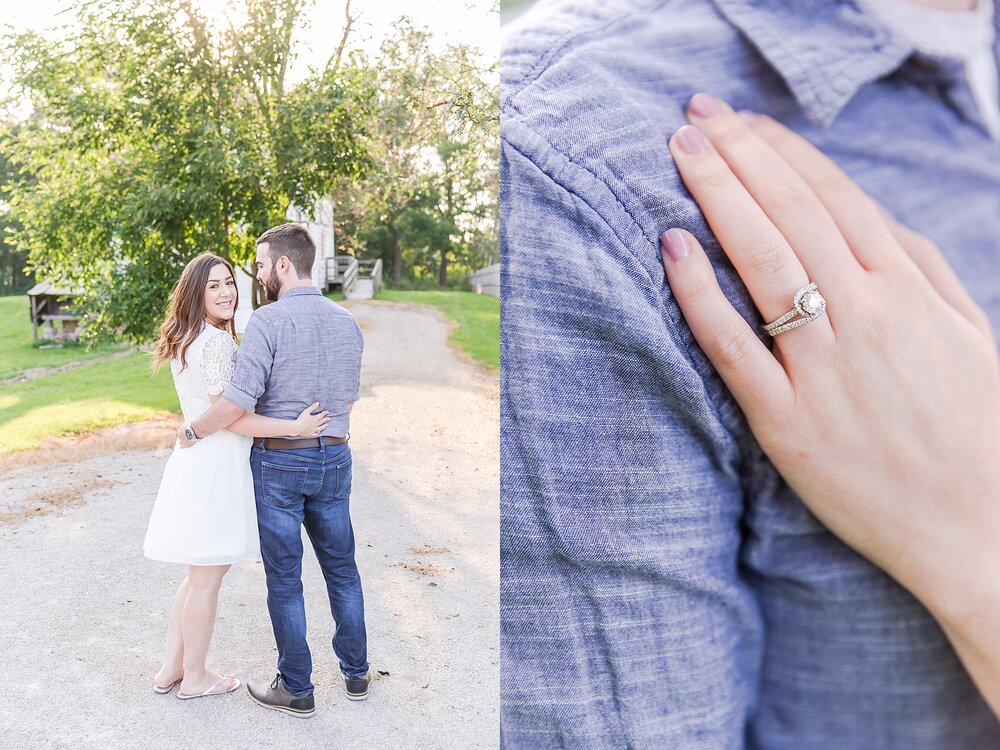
808,303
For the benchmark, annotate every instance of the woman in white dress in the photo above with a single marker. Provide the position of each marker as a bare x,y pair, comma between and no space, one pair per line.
205,515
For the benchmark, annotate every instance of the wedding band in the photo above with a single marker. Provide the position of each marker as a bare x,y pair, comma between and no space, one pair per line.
808,303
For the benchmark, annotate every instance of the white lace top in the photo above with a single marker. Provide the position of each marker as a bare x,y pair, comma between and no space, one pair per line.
211,360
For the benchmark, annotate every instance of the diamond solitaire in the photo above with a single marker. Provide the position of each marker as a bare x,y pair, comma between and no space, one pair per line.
808,303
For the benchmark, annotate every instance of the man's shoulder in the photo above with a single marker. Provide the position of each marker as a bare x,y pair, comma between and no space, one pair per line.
332,312
567,66
330,307
593,91
262,317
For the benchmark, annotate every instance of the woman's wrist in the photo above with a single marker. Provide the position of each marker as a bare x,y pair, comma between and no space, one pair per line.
190,432
956,572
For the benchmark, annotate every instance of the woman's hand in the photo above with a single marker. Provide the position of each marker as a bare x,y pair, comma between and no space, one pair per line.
883,414
308,424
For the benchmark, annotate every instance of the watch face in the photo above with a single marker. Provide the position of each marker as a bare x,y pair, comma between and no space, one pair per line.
189,433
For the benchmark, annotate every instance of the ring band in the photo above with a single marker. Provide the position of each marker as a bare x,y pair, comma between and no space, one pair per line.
808,303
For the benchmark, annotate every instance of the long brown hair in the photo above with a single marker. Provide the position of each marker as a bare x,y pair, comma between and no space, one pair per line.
186,310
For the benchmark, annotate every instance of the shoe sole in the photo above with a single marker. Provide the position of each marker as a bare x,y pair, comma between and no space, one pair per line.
284,709
357,696
161,690
182,697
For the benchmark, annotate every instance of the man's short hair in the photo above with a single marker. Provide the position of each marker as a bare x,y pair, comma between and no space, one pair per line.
294,242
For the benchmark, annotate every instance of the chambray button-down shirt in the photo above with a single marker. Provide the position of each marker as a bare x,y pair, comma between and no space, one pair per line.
300,349
662,587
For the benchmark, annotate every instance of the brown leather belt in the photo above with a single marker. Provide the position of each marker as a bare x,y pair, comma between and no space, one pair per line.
292,443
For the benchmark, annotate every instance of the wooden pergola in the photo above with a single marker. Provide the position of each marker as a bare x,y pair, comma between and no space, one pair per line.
48,304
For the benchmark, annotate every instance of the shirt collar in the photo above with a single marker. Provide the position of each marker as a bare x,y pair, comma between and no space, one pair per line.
297,290
825,50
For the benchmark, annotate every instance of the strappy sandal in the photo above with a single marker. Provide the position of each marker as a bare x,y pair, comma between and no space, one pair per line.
211,691
164,689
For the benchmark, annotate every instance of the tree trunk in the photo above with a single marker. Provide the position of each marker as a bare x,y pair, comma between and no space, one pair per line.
450,203
443,272
397,258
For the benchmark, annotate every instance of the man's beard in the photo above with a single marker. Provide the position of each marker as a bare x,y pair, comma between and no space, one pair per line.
272,286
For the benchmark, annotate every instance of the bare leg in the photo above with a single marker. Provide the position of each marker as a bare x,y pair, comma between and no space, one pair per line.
173,655
197,624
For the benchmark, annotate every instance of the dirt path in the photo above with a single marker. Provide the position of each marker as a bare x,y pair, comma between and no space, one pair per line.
85,613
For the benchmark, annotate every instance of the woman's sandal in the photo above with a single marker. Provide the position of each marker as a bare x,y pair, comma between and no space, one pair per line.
211,691
164,689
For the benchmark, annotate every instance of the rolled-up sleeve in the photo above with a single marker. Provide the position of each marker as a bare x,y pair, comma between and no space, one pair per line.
253,365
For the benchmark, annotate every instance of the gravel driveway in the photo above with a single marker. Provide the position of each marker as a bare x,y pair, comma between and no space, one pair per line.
84,612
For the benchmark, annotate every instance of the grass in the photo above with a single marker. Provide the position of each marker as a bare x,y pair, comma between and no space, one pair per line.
18,351
100,395
477,316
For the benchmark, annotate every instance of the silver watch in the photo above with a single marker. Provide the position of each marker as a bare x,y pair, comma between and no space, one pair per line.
189,432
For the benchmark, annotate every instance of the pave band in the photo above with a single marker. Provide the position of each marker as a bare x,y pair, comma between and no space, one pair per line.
807,305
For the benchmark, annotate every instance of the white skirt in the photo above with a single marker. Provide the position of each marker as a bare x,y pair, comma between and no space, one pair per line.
205,513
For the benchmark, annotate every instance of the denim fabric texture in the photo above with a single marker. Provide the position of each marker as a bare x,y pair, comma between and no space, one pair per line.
300,349
310,487
661,586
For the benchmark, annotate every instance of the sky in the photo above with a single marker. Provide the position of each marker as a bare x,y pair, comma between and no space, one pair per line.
450,21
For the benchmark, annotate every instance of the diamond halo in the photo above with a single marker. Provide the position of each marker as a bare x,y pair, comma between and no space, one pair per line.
807,303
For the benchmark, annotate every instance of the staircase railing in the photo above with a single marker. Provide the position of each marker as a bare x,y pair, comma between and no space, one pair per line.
342,270
371,269
350,276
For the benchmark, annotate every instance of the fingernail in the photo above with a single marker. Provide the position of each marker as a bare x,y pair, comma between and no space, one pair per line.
750,117
705,105
674,244
691,140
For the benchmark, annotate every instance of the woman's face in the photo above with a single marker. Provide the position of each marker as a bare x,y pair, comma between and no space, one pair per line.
220,295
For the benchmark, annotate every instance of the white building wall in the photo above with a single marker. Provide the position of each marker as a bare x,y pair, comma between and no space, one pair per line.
487,280
245,286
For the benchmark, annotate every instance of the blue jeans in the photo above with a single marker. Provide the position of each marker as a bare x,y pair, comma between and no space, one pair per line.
310,486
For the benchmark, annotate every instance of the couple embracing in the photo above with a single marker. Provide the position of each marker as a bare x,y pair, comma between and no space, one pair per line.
253,464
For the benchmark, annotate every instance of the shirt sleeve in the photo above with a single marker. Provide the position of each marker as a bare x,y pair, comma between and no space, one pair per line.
361,348
218,360
624,620
253,365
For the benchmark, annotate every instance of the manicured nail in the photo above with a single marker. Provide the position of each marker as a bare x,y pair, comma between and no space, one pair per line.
751,118
691,140
674,244
705,105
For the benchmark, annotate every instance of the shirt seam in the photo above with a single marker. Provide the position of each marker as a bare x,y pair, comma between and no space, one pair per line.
533,73
675,325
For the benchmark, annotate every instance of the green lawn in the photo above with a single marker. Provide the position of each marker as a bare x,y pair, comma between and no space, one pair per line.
99,395
477,315
17,352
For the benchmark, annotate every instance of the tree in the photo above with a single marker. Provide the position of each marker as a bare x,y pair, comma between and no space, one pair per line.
434,145
156,137
13,279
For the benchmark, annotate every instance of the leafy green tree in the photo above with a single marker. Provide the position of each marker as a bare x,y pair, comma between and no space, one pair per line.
156,137
13,279
432,196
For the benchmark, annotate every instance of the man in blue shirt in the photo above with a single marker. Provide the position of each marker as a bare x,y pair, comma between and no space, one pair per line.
661,585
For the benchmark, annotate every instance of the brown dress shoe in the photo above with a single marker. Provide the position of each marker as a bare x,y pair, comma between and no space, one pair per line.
275,695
